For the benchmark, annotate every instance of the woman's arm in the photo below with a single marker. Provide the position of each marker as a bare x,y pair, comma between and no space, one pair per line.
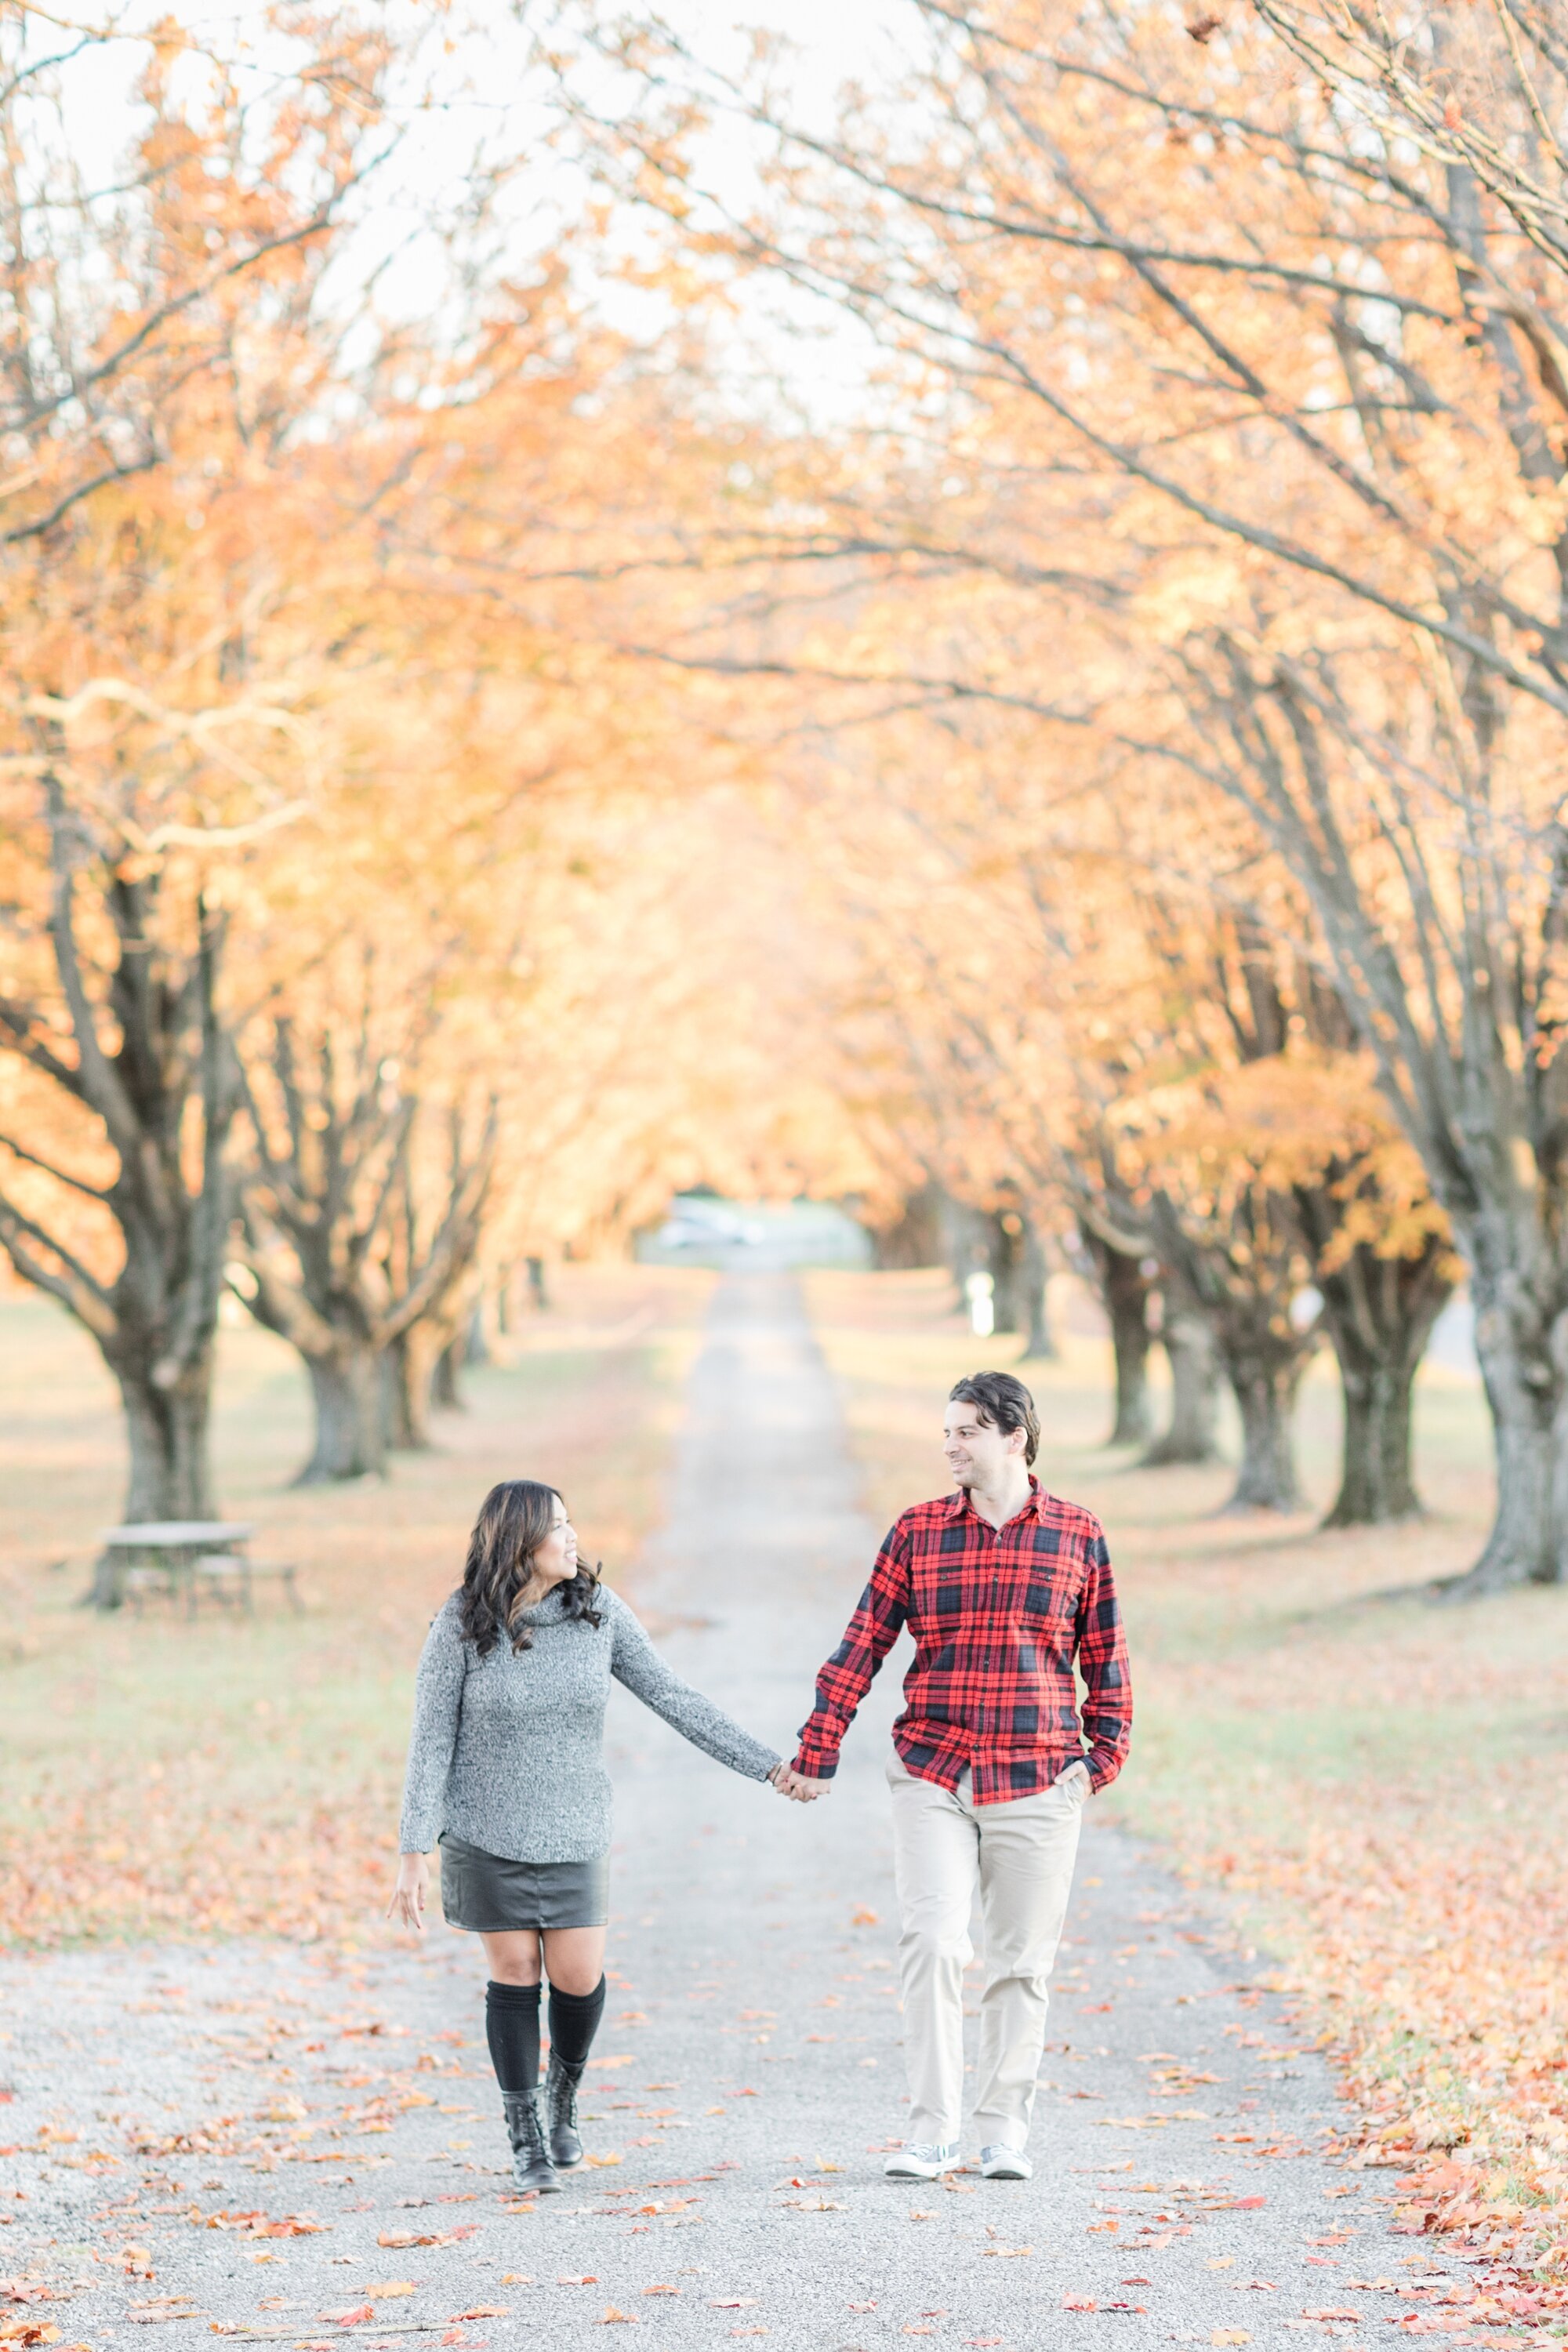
635,1661
438,1709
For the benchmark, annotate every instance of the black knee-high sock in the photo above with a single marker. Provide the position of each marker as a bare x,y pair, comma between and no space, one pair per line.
574,2021
512,2025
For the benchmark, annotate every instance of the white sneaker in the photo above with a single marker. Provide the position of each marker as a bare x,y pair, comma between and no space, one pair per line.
1000,2162
922,2161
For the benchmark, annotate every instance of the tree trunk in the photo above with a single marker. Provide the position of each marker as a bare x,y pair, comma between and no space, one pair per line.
1265,1381
346,1391
1042,1338
408,1375
1523,1351
445,1390
1376,1487
1380,1312
1190,1351
1006,1252
537,1296
1125,1289
167,1430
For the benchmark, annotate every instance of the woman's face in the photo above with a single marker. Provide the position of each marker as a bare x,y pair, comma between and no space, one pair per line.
556,1559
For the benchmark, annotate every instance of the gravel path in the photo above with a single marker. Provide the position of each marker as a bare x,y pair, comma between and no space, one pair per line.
749,2072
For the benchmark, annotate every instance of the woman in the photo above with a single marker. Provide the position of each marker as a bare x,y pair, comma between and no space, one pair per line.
506,1771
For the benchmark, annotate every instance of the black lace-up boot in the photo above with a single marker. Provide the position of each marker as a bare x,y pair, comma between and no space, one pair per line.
560,2113
531,2166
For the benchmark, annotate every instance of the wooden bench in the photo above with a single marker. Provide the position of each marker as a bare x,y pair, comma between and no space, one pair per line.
231,1578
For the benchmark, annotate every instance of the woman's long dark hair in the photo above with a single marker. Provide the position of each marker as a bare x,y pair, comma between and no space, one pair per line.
514,1521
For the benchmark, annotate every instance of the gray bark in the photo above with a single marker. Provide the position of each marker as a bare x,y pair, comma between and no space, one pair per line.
349,1443
1126,1290
1378,1314
1522,1340
159,1075
1191,1435
1265,1381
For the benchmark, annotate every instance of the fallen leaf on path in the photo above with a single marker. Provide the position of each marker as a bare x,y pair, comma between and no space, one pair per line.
613,2318
257,2225
863,1918
589,2278
354,2318
390,2287
1230,2335
1314,2312
1075,2303
483,2311
731,2302
662,2289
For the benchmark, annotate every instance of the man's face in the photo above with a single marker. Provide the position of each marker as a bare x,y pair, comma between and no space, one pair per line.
978,1452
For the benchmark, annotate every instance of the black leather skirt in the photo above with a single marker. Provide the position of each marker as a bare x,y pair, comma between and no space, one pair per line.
490,1896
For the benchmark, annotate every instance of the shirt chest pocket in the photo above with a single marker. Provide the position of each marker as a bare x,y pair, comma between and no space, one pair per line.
1049,1603
942,1598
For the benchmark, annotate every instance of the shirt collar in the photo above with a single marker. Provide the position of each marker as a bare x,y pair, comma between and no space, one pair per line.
959,1502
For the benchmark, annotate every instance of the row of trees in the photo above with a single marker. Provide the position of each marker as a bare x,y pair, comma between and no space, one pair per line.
1208,549
462,777
358,937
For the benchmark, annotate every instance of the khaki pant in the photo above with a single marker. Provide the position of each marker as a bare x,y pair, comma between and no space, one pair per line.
1020,1854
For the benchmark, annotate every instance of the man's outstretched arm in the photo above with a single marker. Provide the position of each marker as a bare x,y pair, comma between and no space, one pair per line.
878,1621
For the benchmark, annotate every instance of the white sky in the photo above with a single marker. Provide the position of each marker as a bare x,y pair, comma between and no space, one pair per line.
821,357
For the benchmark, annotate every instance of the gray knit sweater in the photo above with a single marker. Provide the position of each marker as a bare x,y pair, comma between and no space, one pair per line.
507,1750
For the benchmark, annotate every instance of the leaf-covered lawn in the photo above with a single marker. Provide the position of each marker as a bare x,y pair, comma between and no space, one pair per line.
239,1776
1382,1784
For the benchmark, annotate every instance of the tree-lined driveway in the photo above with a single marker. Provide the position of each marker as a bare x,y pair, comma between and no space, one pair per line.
748,2077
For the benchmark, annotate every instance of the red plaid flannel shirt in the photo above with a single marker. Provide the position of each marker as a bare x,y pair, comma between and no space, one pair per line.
998,1617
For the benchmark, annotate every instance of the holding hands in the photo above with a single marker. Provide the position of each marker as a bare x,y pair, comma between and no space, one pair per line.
792,1784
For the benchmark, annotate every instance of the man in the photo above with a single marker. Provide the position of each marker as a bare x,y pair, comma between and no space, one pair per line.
1004,1587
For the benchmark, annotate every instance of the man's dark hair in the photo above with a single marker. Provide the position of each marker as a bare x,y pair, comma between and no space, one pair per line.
1002,1402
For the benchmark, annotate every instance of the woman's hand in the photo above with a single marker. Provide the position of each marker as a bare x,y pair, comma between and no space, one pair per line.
407,1903
791,1783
